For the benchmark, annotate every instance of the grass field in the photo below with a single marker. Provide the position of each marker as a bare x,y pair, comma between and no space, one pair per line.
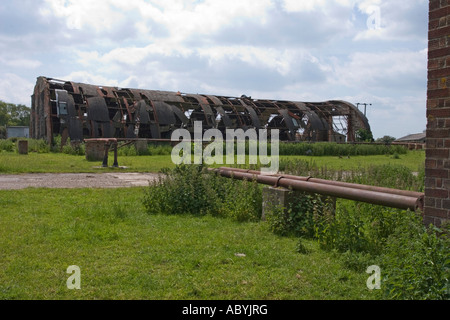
124,253
11,162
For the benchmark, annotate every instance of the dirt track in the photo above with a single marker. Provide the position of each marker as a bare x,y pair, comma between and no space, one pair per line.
75,180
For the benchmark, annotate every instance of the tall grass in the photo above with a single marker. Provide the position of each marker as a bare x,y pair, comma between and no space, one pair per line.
286,149
415,258
338,149
192,190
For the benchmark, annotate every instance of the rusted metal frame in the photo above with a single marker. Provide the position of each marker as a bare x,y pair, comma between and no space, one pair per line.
155,115
252,112
118,99
356,115
188,104
236,113
277,108
265,109
218,106
314,123
368,196
258,113
321,111
289,125
204,105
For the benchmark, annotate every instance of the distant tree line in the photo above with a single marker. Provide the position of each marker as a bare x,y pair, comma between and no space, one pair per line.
13,115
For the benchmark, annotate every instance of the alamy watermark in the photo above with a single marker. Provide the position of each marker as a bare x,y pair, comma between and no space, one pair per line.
74,281
257,141
374,20
374,281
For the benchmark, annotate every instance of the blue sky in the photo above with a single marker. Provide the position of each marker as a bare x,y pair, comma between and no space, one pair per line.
361,51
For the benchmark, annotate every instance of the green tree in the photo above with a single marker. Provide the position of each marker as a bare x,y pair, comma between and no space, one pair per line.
386,139
14,115
4,116
364,135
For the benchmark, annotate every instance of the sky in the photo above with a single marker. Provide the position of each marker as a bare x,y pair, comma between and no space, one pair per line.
360,51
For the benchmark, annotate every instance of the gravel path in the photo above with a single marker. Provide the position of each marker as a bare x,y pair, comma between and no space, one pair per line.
76,180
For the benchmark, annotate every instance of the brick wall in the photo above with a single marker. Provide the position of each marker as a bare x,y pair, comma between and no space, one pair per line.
437,166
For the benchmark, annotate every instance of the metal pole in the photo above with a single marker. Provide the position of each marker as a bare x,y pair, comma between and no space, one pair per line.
407,193
373,197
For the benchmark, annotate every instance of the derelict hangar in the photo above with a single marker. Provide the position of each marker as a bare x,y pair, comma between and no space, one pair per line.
80,111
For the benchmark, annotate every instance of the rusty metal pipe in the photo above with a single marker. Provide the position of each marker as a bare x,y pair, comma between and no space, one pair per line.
337,183
373,197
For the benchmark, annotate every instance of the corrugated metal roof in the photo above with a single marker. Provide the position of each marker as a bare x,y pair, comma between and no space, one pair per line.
413,137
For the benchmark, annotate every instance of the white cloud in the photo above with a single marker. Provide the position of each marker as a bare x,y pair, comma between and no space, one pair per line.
182,18
392,70
78,14
20,63
276,59
88,77
15,89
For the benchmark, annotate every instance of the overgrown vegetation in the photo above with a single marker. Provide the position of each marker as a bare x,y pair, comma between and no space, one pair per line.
285,149
79,148
414,258
190,189
339,149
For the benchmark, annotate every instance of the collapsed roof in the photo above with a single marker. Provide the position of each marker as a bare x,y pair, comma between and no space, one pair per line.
80,111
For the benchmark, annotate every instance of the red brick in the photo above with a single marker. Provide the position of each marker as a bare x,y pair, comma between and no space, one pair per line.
430,202
441,213
437,173
437,12
434,5
446,204
438,133
434,44
439,113
447,102
433,85
430,163
446,184
437,53
439,32
438,93
432,103
427,220
433,64
437,153
439,73
436,193
430,183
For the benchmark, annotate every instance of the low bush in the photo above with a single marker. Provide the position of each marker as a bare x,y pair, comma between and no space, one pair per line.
191,189
7,145
416,263
38,146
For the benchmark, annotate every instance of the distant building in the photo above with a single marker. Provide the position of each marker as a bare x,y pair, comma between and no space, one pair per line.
413,138
17,132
